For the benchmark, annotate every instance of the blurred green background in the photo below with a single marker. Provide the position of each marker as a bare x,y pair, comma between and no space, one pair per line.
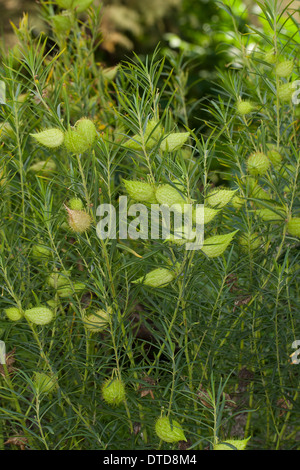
198,30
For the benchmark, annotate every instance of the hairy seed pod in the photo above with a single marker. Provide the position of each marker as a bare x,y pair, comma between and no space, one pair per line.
232,444
152,133
87,129
158,277
274,156
153,129
258,164
140,191
109,73
98,321
209,215
169,430
50,138
14,313
59,279
237,202
43,383
75,143
81,5
219,198
174,141
285,92
167,194
43,167
79,221
76,204
62,23
216,245
257,193
39,315
284,69
270,57
293,226
65,4
41,252
244,107
113,391
68,291
268,215
136,143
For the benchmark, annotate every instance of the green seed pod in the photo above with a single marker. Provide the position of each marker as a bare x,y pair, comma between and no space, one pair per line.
293,226
76,204
220,197
39,315
50,138
182,234
258,164
167,194
249,241
274,156
140,191
270,216
158,277
284,69
209,215
68,291
244,107
53,304
79,221
81,5
59,279
169,431
287,172
75,143
232,444
14,314
43,167
43,383
41,252
152,133
153,130
136,143
62,23
256,192
113,391
110,73
237,202
270,57
216,245
174,141
82,137
285,92
87,129
65,4
98,321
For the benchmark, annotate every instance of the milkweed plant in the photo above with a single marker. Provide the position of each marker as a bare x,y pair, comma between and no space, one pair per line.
136,342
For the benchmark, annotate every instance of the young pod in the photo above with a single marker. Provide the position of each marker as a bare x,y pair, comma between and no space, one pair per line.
258,164
39,315
219,197
169,430
216,245
113,391
14,313
50,138
158,277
